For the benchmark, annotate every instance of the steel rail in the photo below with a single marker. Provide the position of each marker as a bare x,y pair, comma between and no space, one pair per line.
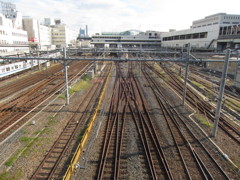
67,136
166,113
203,106
173,113
22,99
153,133
57,142
146,130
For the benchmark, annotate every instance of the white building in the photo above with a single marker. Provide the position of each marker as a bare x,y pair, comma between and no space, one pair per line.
202,37
12,40
203,34
221,19
73,37
45,37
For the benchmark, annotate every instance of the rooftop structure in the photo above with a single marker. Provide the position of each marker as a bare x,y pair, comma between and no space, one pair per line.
129,32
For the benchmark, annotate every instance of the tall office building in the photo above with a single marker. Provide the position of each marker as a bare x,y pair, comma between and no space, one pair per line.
82,33
49,22
8,9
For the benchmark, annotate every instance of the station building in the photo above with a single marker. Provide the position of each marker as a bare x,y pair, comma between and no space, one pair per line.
214,32
127,39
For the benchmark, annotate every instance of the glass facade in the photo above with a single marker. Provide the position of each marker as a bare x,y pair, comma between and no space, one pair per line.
8,9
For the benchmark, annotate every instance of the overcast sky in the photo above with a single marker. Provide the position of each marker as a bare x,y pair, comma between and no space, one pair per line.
121,15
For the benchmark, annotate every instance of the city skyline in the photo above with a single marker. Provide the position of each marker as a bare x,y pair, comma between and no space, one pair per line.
121,15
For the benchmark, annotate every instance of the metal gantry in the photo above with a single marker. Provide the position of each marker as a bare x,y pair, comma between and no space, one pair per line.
188,59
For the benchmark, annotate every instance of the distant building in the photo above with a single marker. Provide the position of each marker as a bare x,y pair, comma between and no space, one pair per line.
45,37
49,22
39,36
127,39
82,33
214,32
8,9
62,36
12,40
221,19
31,25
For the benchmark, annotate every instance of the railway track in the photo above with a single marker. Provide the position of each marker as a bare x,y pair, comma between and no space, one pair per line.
127,96
21,83
19,110
144,137
209,86
112,148
52,166
210,79
200,104
196,159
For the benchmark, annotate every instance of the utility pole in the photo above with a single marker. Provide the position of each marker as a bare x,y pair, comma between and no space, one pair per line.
30,54
237,64
66,75
221,92
47,60
186,74
38,60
